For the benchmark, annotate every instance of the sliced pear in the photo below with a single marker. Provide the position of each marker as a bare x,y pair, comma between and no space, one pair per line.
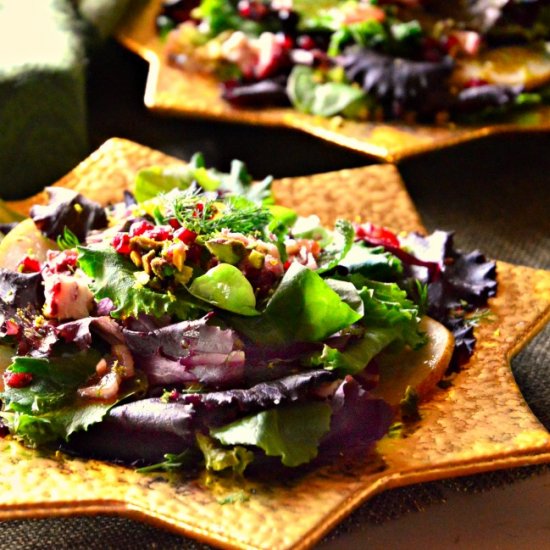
421,369
6,354
24,239
508,66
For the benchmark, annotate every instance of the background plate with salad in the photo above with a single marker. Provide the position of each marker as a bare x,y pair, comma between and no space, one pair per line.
173,91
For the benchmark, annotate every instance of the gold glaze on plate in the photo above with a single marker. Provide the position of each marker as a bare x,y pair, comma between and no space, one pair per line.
170,91
480,423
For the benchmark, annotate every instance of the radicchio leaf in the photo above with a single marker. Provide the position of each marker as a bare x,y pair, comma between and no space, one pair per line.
68,209
189,352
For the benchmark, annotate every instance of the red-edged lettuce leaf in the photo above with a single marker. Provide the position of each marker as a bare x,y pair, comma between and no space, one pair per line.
465,281
68,209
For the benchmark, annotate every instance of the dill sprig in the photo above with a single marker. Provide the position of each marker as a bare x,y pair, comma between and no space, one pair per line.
236,214
67,240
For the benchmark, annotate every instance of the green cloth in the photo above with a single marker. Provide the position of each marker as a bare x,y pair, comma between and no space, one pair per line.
43,57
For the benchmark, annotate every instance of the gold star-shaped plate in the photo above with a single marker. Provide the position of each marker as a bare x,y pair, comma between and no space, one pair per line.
480,423
173,92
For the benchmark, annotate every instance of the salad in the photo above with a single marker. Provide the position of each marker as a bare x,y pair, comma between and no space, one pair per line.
198,324
425,60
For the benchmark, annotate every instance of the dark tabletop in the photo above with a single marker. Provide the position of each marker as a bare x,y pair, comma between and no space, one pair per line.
495,193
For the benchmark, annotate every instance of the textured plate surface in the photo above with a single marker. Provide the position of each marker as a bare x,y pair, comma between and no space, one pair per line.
481,423
170,91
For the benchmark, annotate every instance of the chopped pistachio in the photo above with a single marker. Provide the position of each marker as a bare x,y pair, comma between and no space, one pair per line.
256,259
135,256
146,259
157,267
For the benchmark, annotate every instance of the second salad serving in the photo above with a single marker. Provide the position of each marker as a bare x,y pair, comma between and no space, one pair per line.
200,324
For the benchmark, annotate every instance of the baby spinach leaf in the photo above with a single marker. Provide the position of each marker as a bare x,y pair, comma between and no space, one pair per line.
304,308
226,287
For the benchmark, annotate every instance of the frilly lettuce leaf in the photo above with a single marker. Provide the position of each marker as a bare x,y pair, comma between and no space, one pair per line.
49,409
342,242
155,180
358,354
113,277
292,432
218,458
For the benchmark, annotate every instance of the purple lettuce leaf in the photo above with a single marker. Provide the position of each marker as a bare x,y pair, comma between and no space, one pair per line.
465,282
19,290
264,395
139,432
80,332
485,98
145,430
188,352
21,298
68,209
399,83
358,419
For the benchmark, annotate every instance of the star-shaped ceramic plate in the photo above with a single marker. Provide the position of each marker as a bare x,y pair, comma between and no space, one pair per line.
480,423
173,92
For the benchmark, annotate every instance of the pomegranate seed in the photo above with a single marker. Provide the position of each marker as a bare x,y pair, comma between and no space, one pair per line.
185,235
194,253
28,265
305,42
17,379
121,243
475,83
451,43
252,10
12,328
285,41
140,227
244,8
159,233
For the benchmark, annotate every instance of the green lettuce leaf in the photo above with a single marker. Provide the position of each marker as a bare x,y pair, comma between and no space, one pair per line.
155,180
303,308
342,242
226,287
114,277
218,458
373,263
356,355
387,305
49,409
291,432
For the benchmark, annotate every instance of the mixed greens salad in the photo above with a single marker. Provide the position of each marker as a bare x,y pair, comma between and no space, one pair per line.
199,323
368,59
